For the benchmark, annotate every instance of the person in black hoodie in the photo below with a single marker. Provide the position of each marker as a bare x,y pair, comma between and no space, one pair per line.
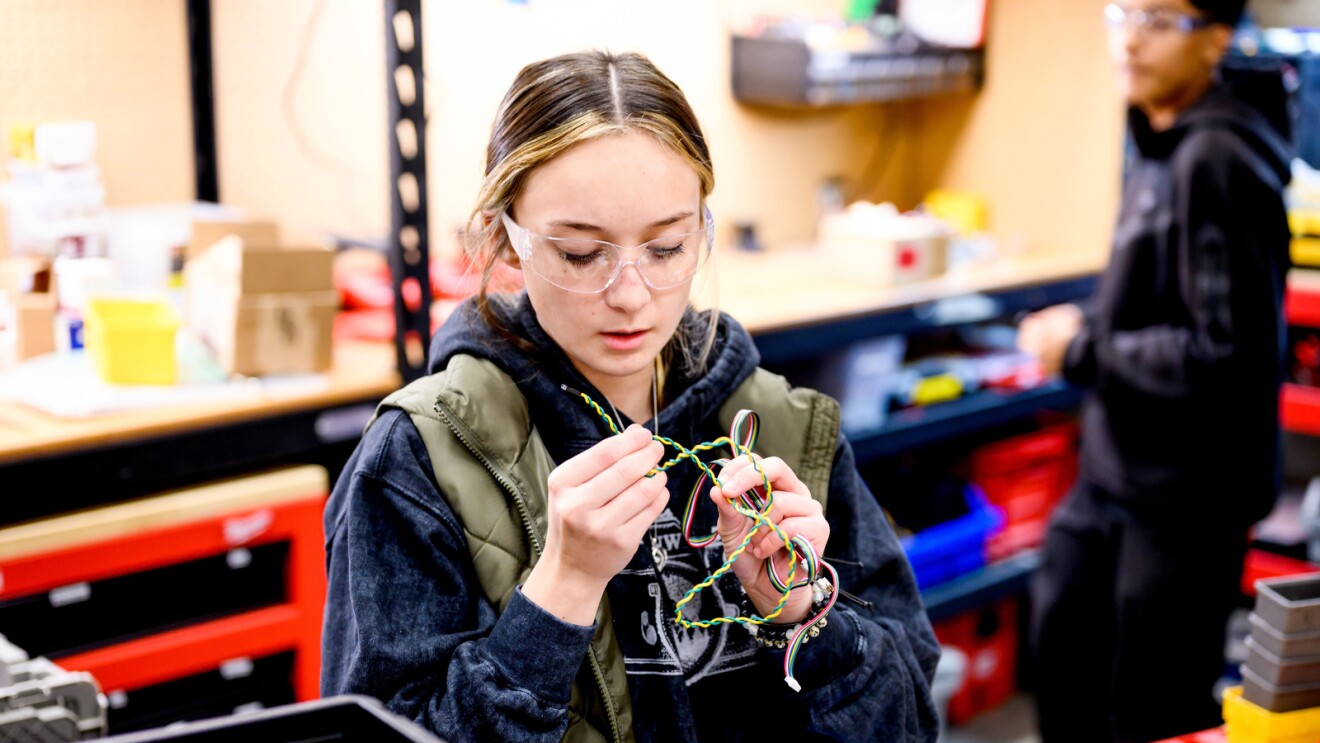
1182,358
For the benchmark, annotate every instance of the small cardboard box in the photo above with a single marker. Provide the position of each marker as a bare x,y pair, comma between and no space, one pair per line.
34,316
257,267
207,232
263,309
29,285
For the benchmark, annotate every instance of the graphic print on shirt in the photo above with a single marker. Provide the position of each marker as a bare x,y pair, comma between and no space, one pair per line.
656,644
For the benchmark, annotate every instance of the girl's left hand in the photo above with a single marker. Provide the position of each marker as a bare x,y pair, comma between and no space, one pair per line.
795,512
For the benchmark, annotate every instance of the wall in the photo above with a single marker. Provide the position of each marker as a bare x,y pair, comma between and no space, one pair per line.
1043,138
300,102
300,113
768,163
123,65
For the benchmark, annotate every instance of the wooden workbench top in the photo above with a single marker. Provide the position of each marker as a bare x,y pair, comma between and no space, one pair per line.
361,372
765,292
776,291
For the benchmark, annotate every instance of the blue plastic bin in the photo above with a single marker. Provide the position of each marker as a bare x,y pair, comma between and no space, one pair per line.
956,547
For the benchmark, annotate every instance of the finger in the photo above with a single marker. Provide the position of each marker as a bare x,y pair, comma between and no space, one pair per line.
643,519
729,518
634,499
776,471
600,457
741,475
814,528
621,475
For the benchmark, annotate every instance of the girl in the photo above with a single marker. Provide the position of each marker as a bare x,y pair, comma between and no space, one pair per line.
502,567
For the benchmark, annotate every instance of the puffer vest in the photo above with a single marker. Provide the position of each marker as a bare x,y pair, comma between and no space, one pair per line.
492,466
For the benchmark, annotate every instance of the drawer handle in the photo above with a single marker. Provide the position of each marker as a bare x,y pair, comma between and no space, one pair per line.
74,593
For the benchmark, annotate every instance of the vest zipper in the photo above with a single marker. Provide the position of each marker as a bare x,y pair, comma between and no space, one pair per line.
461,431
464,435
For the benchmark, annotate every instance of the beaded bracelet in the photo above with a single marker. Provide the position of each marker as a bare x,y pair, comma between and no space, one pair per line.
775,636
778,636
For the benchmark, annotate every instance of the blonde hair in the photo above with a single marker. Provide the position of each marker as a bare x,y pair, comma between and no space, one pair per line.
563,101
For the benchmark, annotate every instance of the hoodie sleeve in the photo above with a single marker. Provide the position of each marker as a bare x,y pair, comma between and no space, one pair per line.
867,676
1226,215
405,621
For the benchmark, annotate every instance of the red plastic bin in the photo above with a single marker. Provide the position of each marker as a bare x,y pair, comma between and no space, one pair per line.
1260,565
1026,476
989,637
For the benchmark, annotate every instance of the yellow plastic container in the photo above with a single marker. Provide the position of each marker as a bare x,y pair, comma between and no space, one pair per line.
1235,736
1250,723
1306,251
966,211
1304,222
132,341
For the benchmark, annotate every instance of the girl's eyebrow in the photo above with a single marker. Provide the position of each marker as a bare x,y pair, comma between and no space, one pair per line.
573,224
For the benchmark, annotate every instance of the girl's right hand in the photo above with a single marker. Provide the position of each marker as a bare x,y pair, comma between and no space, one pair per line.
600,505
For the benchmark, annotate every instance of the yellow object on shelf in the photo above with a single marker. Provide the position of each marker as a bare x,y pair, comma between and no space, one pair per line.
132,341
22,141
1304,222
1250,723
964,210
939,388
1306,251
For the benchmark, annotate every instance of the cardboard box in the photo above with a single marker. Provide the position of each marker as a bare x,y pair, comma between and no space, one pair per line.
35,325
4,228
207,232
255,267
282,333
262,308
28,284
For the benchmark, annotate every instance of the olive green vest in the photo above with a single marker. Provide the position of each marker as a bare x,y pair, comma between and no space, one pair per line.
492,466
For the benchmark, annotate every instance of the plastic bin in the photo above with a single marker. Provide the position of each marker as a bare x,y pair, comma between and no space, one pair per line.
1261,565
1282,670
1290,604
1277,698
989,638
957,547
1026,476
132,341
1284,644
1251,722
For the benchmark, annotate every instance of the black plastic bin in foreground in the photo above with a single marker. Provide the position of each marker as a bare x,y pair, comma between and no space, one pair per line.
353,719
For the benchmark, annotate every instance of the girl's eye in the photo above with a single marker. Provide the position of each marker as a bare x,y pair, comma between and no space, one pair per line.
665,252
581,259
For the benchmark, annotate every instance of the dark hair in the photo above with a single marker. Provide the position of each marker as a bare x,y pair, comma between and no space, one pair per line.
557,103
1228,12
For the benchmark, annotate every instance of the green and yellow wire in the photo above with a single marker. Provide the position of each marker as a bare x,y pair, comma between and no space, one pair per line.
755,504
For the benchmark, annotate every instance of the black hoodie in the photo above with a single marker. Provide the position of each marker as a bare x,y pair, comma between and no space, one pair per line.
1183,352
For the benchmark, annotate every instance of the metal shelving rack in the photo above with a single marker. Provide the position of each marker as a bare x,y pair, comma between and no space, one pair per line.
409,229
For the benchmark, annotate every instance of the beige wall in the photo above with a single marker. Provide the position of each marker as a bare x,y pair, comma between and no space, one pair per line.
121,64
303,142
768,163
300,101
1043,138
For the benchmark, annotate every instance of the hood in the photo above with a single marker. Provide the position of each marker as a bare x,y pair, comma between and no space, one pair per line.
1222,106
567,424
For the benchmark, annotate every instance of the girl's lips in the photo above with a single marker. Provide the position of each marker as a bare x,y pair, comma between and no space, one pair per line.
624,341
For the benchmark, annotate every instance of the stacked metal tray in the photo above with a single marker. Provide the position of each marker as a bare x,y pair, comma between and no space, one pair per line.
1282,672
41,702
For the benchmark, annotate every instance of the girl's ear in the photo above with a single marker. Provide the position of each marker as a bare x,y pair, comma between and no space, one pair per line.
498,240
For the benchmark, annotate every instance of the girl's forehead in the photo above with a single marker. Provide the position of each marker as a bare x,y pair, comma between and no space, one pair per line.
627,173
